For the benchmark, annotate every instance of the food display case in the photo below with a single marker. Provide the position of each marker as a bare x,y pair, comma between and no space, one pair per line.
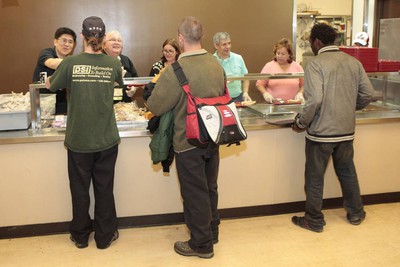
35,101
256,116
385,107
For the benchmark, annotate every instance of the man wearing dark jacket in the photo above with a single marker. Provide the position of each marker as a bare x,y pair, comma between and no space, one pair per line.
335,86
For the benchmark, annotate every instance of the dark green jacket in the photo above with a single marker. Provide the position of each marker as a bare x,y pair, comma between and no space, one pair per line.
161,142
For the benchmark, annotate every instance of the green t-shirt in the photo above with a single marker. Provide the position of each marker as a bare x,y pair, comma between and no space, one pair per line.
89,78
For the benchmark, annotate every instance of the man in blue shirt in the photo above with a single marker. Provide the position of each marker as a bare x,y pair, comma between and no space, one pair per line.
233,65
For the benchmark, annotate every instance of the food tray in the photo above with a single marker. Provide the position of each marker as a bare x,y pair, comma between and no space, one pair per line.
286,102
14,120
388,65
368,56
281,118
244,104
137,81
133,123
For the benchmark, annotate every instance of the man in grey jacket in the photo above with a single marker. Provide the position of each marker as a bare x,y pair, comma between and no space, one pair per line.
197,167
335,86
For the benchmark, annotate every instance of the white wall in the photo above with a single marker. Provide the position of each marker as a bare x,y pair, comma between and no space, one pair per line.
337,7
345,7
354,8
358,18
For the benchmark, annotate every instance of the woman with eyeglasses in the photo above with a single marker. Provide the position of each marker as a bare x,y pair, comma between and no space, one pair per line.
49,59
112,46
171,52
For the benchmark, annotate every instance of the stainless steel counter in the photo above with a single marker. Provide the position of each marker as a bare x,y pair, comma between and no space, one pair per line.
253,118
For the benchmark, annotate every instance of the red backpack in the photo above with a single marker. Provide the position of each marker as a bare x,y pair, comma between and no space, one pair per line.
213,119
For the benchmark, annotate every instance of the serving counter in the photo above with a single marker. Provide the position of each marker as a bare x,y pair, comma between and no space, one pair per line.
266,170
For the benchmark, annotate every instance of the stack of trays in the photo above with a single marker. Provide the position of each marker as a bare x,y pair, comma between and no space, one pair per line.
388,65
368,56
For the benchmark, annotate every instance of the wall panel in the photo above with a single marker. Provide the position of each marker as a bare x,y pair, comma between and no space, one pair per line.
27,26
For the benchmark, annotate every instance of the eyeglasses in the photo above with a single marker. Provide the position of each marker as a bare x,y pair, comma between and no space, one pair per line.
168,51
114,40
66,41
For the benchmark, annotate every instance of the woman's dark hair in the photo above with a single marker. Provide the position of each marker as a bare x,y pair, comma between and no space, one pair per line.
95,43
64,30
172,42
324,32
288,45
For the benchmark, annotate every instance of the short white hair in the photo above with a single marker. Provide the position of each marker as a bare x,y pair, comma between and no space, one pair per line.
113,32
220,36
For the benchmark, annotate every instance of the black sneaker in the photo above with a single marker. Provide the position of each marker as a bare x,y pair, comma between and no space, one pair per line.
183,248
303,223
355,220
115,237
78,245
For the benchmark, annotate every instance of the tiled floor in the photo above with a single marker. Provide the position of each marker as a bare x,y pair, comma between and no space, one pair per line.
259,241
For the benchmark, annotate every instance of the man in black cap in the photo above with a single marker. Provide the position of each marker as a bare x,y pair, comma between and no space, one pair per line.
92,136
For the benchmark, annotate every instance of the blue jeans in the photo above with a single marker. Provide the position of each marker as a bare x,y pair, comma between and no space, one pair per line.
317,157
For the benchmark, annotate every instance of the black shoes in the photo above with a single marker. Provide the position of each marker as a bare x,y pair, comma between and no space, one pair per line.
85,245
115,237
355,220
78,245
303,223
183,248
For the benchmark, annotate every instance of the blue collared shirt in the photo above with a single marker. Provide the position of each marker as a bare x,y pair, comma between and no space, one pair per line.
234,66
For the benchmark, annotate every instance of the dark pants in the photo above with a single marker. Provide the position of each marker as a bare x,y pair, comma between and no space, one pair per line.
82,169
198,182
317,157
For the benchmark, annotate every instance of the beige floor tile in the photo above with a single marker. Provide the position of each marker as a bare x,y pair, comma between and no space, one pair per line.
257,241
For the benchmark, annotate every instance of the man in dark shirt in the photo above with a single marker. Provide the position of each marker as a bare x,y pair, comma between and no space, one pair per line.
50,58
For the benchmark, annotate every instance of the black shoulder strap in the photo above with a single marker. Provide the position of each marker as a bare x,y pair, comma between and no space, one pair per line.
179,73
183,82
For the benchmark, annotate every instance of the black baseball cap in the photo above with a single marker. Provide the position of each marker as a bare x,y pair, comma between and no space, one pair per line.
93,27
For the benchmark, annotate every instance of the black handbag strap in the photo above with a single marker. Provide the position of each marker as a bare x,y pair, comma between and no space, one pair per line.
179,73
183,82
